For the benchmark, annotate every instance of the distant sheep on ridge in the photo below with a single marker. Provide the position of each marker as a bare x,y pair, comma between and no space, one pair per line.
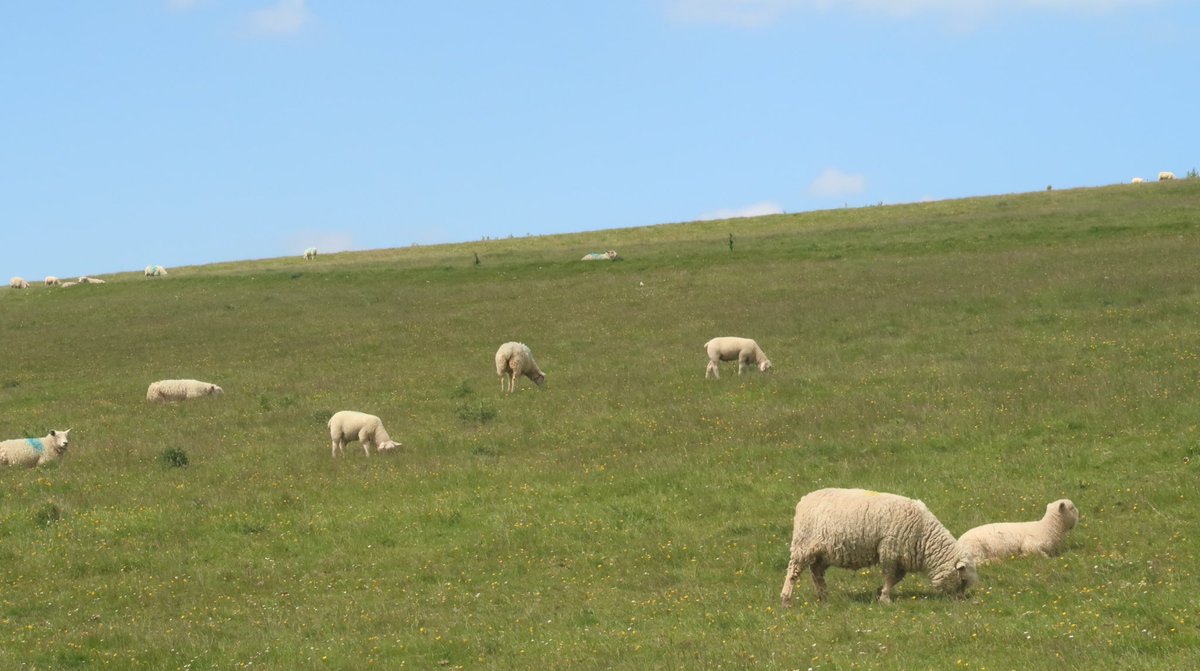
18,283
1166,176
310,253
155,271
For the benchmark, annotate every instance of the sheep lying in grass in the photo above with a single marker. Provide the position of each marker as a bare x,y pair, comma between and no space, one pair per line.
90,280
1001,540
513,360
310,253
730,348
610,255
18,283
52,281
347,426
854,528
1165,176
68,284
30,452
155,271
181,390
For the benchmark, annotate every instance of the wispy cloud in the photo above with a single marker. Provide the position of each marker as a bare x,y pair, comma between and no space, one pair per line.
754,210
833,183
285,17
757,13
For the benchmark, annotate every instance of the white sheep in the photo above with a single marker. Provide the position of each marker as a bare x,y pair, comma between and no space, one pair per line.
90,280
855,528
180,390
1136,180
52,281
513,360
18,283
347,426
1001,540
32,452
68,284
610,255
731,348
1165,175
153,270
310,253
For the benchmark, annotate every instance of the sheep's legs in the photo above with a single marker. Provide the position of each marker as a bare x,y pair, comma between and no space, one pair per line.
795,567
818,578
336,446
892,574
712,371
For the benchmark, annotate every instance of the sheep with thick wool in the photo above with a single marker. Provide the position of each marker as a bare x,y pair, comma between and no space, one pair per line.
347,426
1001,540
18,283
855,528
30,452
181,390
153,270
1165,176
310,253
513,360
91,280
731,348
52,281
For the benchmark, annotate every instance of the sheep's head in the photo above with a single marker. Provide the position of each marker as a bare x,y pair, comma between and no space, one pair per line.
1065,510
388,446
765,366
60,440
214,390
956,582
539,379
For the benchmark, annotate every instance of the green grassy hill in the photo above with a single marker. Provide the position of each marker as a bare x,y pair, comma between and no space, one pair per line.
985,355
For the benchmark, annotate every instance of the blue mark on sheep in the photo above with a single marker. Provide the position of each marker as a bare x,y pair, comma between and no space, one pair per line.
36,444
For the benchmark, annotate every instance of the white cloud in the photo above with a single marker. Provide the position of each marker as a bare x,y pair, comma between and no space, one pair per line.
757,13
833,183
326,242
285,17
754,210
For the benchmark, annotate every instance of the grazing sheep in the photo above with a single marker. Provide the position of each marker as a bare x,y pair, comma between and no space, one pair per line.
1165,175
348,426
1136,180
610,255
52,281
90,280
730,348
155,271
1001,540
854,528
32,452
18,283
310,253
181,390
513,360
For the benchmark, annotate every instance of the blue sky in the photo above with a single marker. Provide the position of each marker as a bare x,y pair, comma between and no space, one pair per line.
183,132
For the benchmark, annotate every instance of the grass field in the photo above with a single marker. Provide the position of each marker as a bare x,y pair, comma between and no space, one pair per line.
984,355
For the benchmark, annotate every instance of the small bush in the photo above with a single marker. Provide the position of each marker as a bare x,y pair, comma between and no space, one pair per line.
47,514
1192,174
476,413
174,458
463,390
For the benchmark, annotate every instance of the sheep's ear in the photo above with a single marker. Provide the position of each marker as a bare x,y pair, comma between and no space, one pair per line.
1062,506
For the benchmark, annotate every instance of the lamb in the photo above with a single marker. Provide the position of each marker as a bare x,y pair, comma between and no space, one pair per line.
730,348
155,271
1165,175
310,253
347,426
610,255
1001,540
18,283
52,281
513,360
181,390
30,452
854,528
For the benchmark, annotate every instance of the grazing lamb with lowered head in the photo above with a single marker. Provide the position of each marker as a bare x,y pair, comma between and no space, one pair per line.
730,348
181,390
52,281
855,528
1001,540
513,360
310,253
30,452
1165,175
347,426
155,271
18,283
